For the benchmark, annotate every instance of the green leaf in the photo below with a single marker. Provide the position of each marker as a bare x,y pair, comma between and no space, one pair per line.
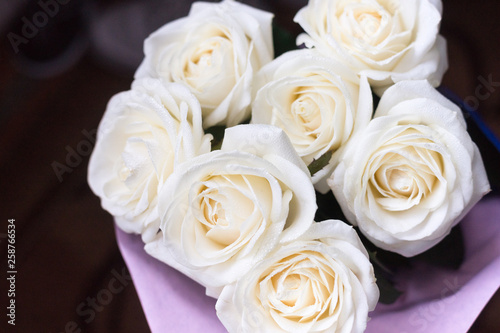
388,293
384,274
218,134
283,41
320,163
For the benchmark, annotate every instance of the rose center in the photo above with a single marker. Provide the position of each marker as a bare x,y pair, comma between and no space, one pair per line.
214,219
406,170
369,24
372,29
290,290
124,173
135,163
207,65
200,60
214,213
306,113
401,182
224,208
303,288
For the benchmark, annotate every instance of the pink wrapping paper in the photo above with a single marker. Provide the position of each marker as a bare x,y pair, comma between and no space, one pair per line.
434,299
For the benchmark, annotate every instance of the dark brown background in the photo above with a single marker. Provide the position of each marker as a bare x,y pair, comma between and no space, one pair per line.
65,246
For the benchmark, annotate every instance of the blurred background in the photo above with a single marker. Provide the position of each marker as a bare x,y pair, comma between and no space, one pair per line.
60,62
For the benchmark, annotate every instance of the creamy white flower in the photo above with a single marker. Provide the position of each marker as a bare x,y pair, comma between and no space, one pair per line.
321,282
317,102
386,40
413,173
215,51
143,134
222,212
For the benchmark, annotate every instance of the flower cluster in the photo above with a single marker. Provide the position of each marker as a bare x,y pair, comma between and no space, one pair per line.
387,40
216,153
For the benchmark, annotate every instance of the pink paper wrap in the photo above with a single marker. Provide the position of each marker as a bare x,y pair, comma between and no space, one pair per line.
434,299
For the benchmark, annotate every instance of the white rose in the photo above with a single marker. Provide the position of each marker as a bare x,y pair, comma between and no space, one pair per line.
321,282
222,212
413,173
386,40
143,134
316,101
215,51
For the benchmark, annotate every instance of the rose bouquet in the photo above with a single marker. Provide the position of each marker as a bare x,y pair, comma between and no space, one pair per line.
291,188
